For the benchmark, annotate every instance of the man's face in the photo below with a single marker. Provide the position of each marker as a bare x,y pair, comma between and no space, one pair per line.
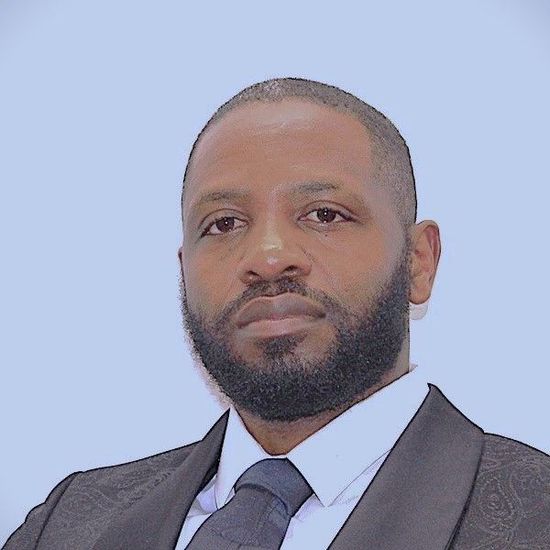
309,221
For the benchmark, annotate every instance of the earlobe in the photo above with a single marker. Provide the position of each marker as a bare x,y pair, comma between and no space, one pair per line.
418,311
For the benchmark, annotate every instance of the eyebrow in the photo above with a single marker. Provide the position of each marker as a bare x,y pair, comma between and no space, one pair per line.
308,188
312,187
219,196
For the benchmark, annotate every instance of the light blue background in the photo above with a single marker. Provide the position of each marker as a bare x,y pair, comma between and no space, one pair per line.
100,102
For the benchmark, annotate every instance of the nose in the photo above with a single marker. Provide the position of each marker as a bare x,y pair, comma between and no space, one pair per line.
273,254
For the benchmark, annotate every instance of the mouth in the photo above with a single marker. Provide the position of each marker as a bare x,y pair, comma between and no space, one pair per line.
277,316
273,328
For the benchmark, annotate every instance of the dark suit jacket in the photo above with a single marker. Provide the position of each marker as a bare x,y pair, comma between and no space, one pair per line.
445,485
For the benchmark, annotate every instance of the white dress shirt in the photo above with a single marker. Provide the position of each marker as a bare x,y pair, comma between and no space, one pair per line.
339,461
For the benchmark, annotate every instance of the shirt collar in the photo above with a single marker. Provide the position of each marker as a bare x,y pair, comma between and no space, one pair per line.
376,422
239,451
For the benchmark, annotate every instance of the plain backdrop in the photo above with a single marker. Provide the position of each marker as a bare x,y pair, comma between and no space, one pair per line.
100,102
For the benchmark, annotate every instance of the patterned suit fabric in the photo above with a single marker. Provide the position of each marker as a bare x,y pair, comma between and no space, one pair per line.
142,504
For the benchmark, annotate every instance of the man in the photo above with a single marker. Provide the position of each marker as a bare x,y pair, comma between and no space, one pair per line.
301,261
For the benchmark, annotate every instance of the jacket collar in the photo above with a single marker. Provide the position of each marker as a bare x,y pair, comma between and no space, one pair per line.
417,498
429,473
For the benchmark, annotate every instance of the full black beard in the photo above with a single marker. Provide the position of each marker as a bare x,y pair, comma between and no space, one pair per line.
287,387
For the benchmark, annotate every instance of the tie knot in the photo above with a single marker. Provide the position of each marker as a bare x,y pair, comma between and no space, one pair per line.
279,477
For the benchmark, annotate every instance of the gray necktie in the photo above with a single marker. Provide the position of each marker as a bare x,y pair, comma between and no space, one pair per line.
267,495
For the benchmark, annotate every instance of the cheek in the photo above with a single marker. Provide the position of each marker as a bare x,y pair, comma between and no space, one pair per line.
199,284
354,287
207,285
357,274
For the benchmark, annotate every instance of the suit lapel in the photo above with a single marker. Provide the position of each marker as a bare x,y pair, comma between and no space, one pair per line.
415,500
156,520
417,497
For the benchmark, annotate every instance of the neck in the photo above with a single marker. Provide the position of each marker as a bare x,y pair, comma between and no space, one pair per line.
277,437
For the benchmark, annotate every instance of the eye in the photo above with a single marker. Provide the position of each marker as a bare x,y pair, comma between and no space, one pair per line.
327,215
227,224
221,223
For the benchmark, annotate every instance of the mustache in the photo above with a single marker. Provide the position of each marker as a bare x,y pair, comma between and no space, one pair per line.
266,289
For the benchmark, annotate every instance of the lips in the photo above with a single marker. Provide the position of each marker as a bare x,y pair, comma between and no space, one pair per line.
278,307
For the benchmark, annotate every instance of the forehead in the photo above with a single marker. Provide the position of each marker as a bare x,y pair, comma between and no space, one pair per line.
267,146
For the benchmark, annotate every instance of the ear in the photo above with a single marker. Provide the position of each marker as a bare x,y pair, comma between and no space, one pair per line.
425,253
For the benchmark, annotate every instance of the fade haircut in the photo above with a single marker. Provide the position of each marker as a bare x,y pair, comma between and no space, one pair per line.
392,161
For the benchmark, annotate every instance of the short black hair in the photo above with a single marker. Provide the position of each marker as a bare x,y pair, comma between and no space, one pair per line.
391,154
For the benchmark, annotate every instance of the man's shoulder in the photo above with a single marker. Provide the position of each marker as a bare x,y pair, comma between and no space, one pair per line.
501,452
134,471
513,468
82,505
510,501
118,486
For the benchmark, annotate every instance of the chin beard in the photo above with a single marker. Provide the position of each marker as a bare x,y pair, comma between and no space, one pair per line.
287,387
